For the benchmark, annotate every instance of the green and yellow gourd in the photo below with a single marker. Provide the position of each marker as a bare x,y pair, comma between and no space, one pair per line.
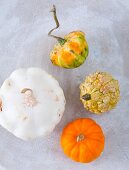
70,51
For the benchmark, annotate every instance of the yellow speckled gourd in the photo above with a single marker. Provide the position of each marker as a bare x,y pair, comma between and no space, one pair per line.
99,92
70,51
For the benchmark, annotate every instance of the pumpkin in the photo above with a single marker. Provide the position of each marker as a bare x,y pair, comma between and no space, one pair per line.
31,102
99,92
70,51
82,140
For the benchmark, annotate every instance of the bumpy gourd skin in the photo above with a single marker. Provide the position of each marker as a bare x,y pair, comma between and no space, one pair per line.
104,92
71,53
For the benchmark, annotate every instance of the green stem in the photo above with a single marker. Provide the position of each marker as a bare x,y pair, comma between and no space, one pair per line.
86,97
59,39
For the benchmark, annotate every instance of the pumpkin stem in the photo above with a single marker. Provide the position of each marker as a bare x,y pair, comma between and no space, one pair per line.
25,89
80,137
29,98
59,39
0,105
86,96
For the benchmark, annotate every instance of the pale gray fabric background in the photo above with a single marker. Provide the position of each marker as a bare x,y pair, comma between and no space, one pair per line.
24,25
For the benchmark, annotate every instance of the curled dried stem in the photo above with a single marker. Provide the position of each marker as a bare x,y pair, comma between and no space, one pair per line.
59,39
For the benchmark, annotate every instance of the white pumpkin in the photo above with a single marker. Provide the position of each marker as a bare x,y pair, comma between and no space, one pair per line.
32,103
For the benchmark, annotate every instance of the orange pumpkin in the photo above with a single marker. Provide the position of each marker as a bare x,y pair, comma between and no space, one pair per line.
82,140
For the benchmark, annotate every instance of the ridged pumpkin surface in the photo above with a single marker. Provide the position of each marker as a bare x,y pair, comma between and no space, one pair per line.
72,52
82,140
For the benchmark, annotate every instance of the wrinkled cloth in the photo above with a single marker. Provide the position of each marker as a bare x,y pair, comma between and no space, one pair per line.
24,25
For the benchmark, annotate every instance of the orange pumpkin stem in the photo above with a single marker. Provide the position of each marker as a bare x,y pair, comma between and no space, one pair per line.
80,137
59,39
